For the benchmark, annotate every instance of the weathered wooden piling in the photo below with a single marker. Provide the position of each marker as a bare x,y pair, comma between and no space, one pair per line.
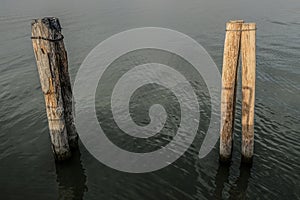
229,81
248,49
240,38
52,63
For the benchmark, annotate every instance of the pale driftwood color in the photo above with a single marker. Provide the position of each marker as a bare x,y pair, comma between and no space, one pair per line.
229,81
52,66
248,49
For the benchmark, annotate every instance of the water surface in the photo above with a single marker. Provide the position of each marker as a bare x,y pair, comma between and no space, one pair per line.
27,167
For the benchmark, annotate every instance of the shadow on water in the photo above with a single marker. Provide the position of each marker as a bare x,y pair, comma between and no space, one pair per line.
238,190
71,178
221,178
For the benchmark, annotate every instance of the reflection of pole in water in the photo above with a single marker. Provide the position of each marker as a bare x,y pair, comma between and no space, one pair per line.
71,178
240,190
221,179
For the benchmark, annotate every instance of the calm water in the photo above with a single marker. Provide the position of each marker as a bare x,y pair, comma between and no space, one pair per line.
27,167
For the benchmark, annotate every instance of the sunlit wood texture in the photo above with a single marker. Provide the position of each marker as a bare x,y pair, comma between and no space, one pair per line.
229,81
248,50
52,63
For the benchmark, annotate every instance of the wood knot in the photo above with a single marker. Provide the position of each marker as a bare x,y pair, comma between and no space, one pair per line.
59,111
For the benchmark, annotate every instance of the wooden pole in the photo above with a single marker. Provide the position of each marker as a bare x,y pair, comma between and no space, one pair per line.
51,59
67,94
229,81
248,89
